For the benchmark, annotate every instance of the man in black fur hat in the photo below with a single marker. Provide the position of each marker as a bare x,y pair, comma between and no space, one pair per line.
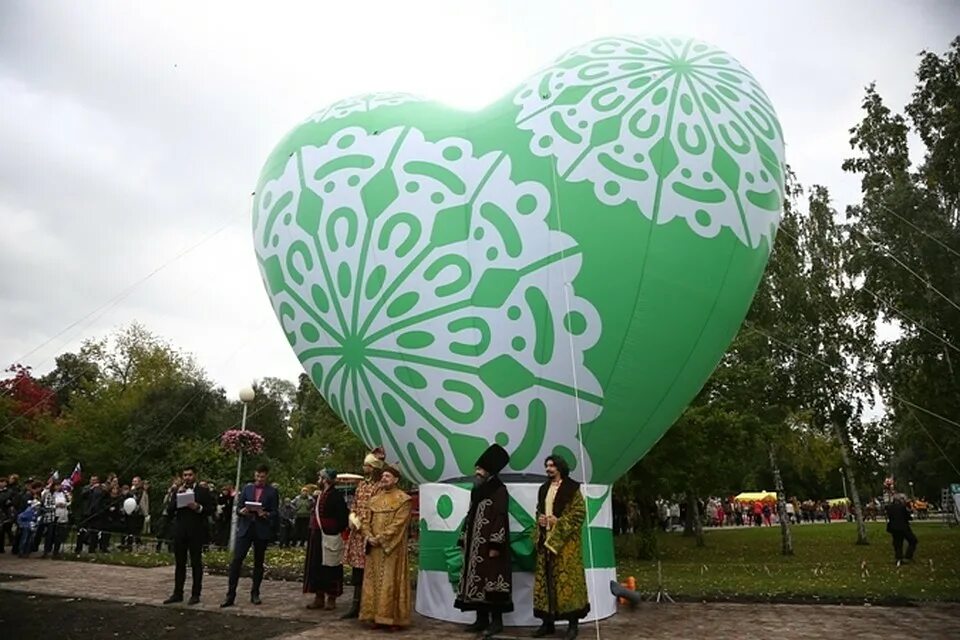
486,581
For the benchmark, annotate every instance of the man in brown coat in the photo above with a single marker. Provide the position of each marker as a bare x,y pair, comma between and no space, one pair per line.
486,581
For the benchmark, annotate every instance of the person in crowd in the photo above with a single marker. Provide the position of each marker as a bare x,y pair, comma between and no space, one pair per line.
486,579
133,522
27,522
56,516
286,517
386,582
302,508
164,530
560,585
355,551
189,528
257,507
94,497
144,505
323,564
8,514
898,526
223,517
113,517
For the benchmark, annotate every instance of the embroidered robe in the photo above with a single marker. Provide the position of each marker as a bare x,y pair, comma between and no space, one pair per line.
486,583
560,583
354,554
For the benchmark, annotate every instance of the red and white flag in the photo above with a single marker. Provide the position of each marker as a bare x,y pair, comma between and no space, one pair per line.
76,476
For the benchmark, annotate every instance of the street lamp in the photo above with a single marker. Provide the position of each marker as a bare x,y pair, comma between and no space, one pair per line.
246,397
843,479
912,494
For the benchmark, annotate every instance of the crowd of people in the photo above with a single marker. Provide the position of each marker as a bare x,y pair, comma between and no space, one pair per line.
101,516
38,514
670,514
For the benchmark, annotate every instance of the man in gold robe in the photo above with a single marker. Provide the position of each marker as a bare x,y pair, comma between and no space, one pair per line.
560,583
386,582
354,554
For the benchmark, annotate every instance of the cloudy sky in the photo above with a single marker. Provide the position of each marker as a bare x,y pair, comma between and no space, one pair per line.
130,133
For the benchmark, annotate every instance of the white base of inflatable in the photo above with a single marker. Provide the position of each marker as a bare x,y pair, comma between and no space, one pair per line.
435,596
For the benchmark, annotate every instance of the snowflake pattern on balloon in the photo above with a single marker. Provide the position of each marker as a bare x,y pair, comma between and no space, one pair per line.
361,103
676,126
417,326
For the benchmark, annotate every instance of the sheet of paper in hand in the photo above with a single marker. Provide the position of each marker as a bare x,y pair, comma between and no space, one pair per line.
185,499
253,506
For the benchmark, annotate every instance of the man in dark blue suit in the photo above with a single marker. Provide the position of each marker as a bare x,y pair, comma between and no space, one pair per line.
257,506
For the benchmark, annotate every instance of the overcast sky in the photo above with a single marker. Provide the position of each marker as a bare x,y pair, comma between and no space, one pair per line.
130,132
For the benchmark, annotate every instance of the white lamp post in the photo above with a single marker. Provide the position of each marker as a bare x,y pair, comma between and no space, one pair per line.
246,397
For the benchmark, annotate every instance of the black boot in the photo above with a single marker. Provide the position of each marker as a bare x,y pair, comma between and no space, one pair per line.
572,629
354,611
545,629
481,624
496,625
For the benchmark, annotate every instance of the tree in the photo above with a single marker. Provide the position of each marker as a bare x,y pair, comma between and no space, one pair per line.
905,234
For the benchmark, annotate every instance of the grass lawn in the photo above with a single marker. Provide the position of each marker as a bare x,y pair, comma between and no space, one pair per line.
738,564
745,564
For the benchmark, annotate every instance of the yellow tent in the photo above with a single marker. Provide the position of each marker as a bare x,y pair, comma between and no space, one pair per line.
838,502
756,496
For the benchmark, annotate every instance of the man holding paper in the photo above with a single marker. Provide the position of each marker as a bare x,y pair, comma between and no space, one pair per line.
188,505
257,506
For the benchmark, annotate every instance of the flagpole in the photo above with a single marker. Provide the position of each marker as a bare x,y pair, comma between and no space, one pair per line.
246,396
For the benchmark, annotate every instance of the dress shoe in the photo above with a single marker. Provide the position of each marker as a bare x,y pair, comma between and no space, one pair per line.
227,603
194,600
174,598
255,598
543,631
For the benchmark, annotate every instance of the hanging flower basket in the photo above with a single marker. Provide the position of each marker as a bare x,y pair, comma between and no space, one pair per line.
236,441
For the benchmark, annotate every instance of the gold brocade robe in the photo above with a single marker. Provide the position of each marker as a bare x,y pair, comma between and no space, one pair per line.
560,585
386,581
354,553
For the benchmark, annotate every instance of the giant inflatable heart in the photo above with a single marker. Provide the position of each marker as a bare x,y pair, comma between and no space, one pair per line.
559,272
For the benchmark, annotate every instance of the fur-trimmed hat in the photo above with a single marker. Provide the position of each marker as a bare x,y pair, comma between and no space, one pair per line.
493,460
328,474
394,470
373,461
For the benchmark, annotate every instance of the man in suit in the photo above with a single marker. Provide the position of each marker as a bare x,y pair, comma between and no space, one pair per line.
257,507
189,526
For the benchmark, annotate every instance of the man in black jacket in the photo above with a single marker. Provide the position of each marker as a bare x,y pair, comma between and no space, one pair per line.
94,500
189,527
898,526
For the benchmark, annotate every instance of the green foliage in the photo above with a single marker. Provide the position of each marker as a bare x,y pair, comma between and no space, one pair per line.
642,545
134,405
905,238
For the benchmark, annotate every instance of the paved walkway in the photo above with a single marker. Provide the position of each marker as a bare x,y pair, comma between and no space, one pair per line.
690,620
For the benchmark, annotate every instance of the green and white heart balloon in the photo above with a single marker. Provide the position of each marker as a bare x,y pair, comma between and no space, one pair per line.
559,272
